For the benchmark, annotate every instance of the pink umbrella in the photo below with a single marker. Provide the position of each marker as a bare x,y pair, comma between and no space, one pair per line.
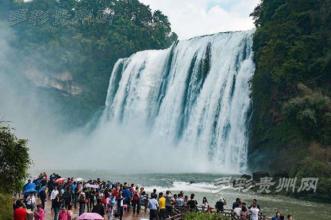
90,216
60,180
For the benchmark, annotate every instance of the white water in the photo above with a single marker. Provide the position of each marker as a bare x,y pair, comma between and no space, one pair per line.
192,100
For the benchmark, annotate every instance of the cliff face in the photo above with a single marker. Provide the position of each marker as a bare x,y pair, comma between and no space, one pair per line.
62,82
291,124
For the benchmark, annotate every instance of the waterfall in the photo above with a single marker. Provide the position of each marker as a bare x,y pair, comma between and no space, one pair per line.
194,96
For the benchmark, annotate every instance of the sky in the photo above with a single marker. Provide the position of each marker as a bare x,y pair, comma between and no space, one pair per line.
190,18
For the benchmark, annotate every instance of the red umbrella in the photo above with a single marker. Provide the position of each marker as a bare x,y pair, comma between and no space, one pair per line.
60,180
90,216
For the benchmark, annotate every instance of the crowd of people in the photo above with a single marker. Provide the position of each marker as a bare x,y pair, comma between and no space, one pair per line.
111,200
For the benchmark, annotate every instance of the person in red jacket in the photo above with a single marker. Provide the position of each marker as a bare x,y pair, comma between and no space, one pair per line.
20,212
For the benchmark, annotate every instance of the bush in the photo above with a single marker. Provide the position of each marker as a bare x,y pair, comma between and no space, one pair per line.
204,216
5,207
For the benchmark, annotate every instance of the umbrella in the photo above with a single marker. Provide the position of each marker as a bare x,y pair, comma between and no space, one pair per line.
30,190
79,179
92,186
90,216
60,180
30,187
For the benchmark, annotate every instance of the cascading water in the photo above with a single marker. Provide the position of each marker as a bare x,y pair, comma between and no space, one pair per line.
194,96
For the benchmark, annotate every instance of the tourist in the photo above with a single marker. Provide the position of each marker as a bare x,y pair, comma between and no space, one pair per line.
162,205
168,200
256,205
205,205
136,201
236,203
90,199
70,212
289,217
154,193
192,203
63,214
39,213
74,194
42,196
180,202
20,212
127,197
99,208
277,216
30,201
220,205
54,194
237,210
111,201
186,201
144,199
56,206
244,212
254,211
153,206
82,202
67,197
120,204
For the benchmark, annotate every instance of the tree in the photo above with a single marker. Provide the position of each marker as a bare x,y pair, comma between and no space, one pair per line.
14,160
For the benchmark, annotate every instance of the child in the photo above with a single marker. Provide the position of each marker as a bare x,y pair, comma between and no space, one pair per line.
39,213
63,215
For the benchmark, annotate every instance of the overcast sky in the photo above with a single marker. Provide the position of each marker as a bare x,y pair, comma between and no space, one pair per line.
191,18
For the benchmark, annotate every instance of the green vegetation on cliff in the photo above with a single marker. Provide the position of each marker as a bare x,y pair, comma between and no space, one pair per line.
291,124
71,46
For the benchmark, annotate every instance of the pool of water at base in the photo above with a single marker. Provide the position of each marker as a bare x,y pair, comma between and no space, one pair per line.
203,186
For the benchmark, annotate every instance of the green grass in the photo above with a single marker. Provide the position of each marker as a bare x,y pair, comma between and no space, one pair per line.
204,216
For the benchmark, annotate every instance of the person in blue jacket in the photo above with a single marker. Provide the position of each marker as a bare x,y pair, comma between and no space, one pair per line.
127,195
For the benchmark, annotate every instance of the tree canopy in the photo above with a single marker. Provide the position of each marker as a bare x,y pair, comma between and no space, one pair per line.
14,160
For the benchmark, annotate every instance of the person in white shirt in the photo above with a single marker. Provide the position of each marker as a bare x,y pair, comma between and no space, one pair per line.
254,210
237,210
54,193
205,205
153,205
30,202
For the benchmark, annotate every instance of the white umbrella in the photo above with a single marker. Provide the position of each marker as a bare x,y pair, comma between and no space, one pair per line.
92,186
78,179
